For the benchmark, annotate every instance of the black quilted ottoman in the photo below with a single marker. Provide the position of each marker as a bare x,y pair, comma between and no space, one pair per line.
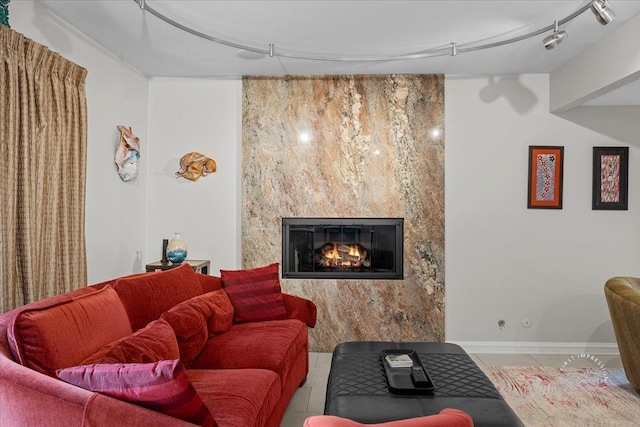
358,388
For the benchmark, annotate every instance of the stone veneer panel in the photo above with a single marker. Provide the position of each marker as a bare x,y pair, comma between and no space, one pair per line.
350,146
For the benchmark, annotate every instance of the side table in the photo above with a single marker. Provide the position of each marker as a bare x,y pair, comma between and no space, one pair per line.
199,265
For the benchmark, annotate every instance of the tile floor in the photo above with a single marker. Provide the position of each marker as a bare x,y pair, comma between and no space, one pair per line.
309,399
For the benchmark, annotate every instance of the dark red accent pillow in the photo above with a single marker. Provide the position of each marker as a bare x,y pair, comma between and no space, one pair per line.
162,386
255,294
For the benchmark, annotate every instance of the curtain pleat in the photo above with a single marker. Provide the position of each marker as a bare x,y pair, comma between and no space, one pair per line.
43,143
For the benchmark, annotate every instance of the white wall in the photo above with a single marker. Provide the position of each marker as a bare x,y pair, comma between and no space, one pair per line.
204,116
116,94
504,261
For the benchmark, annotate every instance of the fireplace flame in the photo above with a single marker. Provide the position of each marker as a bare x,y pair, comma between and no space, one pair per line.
334,254
341,255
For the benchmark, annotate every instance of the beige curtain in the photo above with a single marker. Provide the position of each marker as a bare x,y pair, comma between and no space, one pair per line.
43,143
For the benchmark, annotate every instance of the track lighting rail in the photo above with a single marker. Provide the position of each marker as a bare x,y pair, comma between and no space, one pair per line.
600,8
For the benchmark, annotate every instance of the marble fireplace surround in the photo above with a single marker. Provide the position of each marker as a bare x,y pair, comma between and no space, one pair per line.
350,146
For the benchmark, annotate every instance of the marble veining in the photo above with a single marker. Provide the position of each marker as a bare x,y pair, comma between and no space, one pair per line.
350,146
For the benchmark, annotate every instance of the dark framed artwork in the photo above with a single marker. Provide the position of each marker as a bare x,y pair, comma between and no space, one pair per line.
610,178
545,177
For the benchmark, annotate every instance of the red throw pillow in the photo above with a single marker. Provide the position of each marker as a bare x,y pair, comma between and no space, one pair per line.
162,386
255,294
153,343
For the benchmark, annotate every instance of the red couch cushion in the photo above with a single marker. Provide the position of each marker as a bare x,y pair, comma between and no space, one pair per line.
162,386
271,345
255,294
238,398
216,308
63,334
209,283
195,319
222,317
190,327
147,296
155,342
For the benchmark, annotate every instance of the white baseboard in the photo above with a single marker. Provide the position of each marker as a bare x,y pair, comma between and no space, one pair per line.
601,348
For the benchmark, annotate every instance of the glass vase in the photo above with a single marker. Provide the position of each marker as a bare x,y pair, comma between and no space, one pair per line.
176,249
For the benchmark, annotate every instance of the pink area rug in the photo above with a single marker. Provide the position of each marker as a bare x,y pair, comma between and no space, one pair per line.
547,396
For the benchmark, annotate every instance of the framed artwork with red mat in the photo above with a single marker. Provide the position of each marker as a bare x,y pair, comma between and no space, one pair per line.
545,177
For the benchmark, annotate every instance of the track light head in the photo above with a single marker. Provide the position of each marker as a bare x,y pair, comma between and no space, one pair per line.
602,11
554,39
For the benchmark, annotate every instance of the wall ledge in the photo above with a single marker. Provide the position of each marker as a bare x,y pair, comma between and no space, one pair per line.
603,67
533,347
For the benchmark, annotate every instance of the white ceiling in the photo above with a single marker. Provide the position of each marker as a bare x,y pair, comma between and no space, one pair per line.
347,28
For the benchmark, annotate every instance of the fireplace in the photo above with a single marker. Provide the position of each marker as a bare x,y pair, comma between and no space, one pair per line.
342,248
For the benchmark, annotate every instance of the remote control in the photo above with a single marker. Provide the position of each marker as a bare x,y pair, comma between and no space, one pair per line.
419,377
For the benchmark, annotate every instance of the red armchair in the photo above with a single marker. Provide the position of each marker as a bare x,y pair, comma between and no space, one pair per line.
446,418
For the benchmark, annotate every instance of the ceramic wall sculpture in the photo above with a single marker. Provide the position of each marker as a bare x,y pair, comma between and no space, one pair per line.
194,165
127,154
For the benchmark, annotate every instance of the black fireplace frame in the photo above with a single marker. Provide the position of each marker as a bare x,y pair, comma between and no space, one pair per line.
396,273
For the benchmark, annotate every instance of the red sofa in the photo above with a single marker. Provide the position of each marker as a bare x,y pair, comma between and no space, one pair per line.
244,373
